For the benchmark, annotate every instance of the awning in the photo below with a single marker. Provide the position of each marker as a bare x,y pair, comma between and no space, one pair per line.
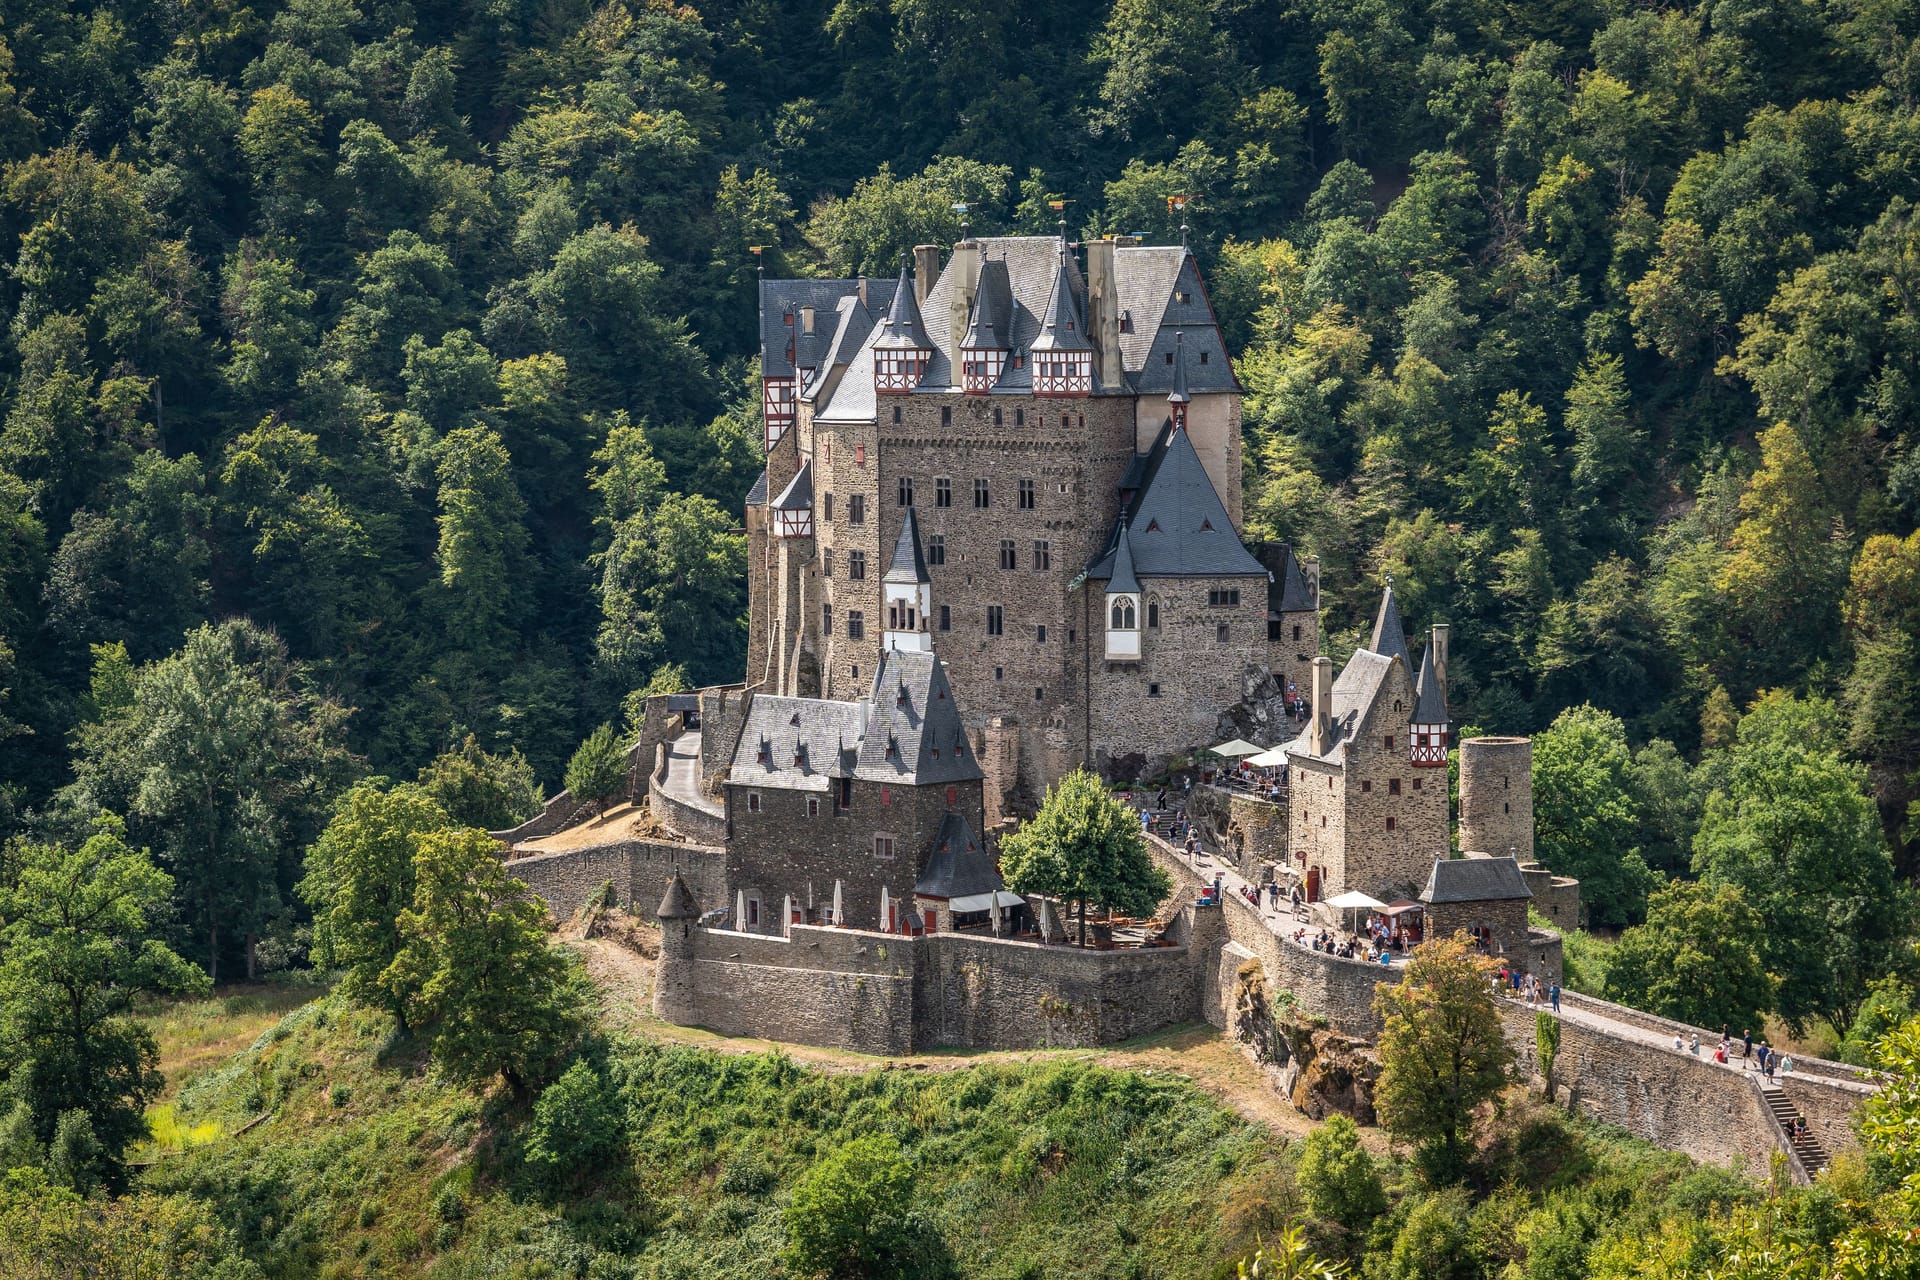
1235,749
984,901
1271,758
1354,900
1401,906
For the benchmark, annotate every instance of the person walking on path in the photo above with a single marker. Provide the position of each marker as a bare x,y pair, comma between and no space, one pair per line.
1746,1043
1553,993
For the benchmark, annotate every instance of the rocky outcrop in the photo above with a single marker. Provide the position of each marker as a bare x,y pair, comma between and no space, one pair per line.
1261,714
1319,1070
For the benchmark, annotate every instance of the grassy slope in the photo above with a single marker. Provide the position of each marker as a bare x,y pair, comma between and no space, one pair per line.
367,1166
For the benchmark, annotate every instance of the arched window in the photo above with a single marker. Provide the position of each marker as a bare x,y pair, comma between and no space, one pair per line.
1122,617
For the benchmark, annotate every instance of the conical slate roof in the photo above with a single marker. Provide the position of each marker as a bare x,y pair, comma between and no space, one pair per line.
1176,524
1061,329
798,495
678,903
991,322
908,565
1296,593
1389,636
1179,393
959,866
1429,699
902,327
1123,579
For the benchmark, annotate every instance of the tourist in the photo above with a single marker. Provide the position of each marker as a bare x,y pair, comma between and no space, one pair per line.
1720,1054
1786,1064
1693,1045
1679,1045
1746,1043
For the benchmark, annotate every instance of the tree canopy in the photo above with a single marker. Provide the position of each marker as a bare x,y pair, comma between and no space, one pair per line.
1084,846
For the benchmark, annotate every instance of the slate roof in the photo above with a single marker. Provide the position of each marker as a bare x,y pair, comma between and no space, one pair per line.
958,866
1429,698
991,322
1353,694
1063,327
853,324
798,495
757,496
908,565
1032,264
1148,281
778,298
914,735
1475,880
794,743
1178,393
1290,592
679,903
902,327
1123,578
1176,523
1389,637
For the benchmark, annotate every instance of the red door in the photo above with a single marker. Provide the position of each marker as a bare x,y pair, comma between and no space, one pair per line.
1313,884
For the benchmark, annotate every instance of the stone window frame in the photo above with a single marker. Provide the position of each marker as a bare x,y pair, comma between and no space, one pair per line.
1040,633
1222,633
1223,597
856,566
856,630
946,617
982,494
1029,495
1393,786
904,491
826,562
753,802
1366,786
826,619
813,806
1042,556
936,548
826,506
1153,614
1387,741
885,846
1153,689
943,491
996,620
1039,693
856,508
1009,555
1392,823
753,911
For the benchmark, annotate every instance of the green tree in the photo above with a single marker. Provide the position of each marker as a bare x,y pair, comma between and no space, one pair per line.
77,946
1442,1052
1697,959
868,231
851,1218
1585,818
484,567
47,1230
475,963
1084,846
579,1122
1338,1177
360,878
1791,822
598,771
480,789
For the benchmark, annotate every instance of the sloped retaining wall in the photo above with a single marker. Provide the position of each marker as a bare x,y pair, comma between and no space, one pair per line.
638,869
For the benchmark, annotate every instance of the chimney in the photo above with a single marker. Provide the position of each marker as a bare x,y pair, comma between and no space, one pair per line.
926,269
866,714
806,319
1103,311
1322,727
1312,566
966,283
1441,632
863,290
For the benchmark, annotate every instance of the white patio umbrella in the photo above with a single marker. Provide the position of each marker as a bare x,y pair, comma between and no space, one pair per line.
1271,758
883,908
1354,900
1235,748
740,911
838,917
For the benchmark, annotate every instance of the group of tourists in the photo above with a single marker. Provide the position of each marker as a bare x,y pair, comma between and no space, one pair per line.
1343,946
1761,1057
1528,987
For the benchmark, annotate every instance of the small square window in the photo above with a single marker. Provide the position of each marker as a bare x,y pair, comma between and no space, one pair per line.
1365,787
1039,694
813,806
1416,784
1153,690
1203,357
1222,633
1296,631
1392,824
883,847
753,802
1388,741
999,673
1393,786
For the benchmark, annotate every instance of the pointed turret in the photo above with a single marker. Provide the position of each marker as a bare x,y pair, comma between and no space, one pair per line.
1431,723
1179,398
909,591
1123,603
1389,636
983,347
1062,356
678,904
902,349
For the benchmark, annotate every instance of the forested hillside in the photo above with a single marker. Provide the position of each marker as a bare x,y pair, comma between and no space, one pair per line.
378,380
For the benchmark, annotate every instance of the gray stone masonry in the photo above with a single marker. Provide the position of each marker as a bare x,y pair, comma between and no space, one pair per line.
1496,797
639,870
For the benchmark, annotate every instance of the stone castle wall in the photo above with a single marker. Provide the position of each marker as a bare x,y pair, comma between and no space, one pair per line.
638,869
886,994
1496,797
1557,897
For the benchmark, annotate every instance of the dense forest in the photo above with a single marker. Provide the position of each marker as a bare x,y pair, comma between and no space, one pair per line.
378,395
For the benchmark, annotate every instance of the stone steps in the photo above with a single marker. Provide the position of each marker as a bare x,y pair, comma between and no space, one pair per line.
1812,1156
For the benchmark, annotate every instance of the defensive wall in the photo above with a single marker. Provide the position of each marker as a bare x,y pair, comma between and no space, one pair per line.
638,870
705,826
883,993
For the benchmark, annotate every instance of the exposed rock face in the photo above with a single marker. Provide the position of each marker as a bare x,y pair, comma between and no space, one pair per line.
1320,1071
1261,714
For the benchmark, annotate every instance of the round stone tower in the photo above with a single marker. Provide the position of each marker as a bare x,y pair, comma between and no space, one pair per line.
1496,797
673,995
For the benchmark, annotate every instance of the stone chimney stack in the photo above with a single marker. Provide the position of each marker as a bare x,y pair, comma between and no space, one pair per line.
1103,311
1311,565
1322,727
966,283
806,320
1441,632
926,270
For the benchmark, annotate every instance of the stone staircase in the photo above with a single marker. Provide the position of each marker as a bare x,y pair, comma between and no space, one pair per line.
1807,1153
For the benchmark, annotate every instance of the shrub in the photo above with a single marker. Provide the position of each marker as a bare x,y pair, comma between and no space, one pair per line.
1338,1177
851,1218
578,1121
